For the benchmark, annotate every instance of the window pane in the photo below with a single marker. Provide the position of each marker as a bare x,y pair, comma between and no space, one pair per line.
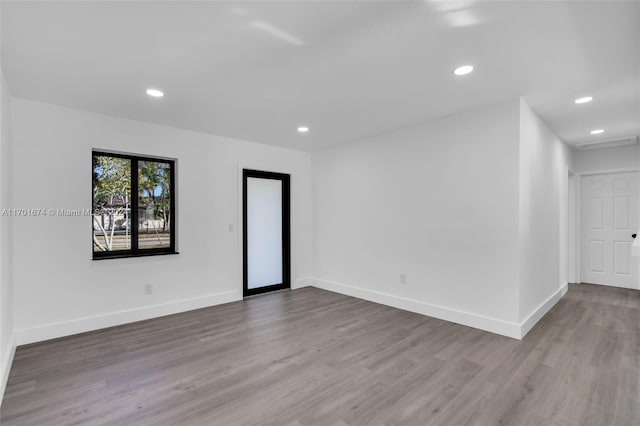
154,205
111,203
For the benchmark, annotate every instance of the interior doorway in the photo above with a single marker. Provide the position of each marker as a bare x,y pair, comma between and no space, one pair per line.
609,215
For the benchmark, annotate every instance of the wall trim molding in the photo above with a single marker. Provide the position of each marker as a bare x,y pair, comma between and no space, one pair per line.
540,311
612,285
95,322
481,322
493,325
609,171
301,282
6,368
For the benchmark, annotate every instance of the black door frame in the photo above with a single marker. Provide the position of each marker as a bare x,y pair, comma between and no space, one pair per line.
286,231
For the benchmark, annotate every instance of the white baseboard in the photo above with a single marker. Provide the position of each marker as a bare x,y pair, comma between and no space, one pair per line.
541,310
493,325
301,282
66,328
95,322
6,368
613,285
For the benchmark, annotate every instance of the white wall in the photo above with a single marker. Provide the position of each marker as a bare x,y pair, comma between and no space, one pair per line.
437,201
544,201
6,297
58,288
622,157
469,207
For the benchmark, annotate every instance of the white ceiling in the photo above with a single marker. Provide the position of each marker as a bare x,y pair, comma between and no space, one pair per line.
347,69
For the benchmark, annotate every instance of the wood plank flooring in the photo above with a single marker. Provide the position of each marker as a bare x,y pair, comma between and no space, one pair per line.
312,357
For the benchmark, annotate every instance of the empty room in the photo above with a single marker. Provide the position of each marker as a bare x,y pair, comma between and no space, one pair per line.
319,212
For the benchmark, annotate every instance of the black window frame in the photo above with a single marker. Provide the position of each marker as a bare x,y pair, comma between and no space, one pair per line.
135,251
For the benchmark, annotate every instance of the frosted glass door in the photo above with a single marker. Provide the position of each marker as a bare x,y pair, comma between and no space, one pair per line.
266,232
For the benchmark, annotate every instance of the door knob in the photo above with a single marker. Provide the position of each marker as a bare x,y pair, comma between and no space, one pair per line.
633,235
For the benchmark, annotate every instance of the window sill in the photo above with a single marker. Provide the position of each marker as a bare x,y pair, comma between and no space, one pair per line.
130,255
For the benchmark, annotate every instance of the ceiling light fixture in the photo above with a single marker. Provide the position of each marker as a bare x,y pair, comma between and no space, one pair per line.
303,129
463,70
155,93
583,100
597,132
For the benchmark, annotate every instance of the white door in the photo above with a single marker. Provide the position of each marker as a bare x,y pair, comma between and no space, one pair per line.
609,215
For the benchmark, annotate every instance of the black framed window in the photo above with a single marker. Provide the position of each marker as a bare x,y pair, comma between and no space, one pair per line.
133,210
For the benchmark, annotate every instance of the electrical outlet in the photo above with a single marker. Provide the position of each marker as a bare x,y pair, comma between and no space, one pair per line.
403,278
148,289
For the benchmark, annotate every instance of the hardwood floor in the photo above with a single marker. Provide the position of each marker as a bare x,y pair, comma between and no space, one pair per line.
320,358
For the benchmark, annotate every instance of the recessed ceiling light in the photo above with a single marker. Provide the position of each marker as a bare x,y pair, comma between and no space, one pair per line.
303,129
583,100
597,131
155,93
463,70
